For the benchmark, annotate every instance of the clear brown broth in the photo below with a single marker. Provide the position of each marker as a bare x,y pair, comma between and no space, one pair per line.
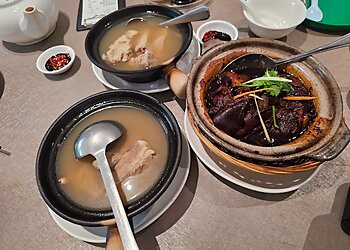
84,184
172,43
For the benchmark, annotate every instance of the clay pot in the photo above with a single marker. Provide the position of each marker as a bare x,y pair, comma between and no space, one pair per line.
326,137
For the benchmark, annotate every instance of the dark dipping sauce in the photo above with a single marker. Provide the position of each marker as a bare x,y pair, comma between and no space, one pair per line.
57,61
239,117
213,34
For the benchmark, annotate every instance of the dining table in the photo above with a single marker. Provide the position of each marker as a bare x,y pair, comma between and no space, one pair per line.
209,212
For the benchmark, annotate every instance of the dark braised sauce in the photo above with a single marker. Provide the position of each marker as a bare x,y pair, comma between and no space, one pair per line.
57,61
239,117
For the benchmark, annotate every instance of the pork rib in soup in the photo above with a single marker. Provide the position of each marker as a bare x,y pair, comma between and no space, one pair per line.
140,45
137,159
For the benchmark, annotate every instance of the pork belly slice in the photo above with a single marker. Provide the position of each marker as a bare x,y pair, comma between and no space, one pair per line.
120,50
112,158
134,161
145,58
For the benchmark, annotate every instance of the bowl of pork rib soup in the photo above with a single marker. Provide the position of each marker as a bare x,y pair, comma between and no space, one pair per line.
131,44
290,117
143,161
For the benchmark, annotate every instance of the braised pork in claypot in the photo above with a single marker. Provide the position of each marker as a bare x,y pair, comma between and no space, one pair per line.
296,118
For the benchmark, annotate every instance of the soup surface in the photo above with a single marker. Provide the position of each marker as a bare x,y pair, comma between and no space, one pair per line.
140,45
81,181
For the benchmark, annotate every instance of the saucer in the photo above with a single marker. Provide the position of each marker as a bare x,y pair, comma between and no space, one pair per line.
143,219
114,82
272,184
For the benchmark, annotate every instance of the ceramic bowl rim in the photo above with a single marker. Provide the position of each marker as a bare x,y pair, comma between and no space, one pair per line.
299,20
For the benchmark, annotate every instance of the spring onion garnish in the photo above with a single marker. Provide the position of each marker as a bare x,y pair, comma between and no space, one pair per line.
256,96
262,122
272,81
274,116
250,92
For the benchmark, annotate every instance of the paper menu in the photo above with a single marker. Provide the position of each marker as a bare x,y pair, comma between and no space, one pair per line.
94,10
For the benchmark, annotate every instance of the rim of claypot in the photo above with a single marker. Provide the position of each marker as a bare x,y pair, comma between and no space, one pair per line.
325,138
46,178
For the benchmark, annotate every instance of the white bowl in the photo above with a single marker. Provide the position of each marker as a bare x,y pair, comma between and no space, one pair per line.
274,19
217,25
40,62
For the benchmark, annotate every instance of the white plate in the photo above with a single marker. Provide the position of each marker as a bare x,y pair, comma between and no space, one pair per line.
273,184
142,220
114,82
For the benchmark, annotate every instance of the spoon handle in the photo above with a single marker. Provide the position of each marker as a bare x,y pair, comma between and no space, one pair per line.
126,234
338,43
197,14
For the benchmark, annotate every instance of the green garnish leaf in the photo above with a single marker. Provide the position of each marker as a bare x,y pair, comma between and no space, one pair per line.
274,116
270,80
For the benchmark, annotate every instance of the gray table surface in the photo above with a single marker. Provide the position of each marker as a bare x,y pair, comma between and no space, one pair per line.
210,213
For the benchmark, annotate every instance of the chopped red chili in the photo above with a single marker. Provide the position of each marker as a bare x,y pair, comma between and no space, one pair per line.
57,61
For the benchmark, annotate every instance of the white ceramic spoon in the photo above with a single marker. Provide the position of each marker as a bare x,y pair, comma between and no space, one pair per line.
260,17
314,12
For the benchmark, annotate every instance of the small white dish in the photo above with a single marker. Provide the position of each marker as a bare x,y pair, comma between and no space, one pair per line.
271,184
42,59
277,18
143,219
218,25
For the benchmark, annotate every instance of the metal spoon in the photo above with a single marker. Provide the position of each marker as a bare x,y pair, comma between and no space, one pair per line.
135,20
314,12
4,151
93,141
256,64
197,14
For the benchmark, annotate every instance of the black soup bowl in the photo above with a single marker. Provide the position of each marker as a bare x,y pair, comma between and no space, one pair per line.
47,182
97,32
